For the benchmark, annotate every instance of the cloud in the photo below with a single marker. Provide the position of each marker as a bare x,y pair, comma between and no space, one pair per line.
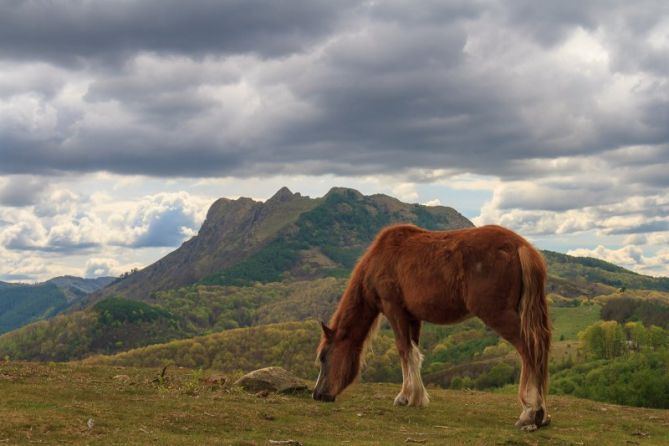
21,190
631,257
105,267
643,228
67,223
74,32
29,267
165,220
406,192
558,110
317,88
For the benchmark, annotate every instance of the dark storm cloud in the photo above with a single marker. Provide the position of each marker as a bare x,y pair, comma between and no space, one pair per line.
248,87
549,22
654,226
21,191
74,31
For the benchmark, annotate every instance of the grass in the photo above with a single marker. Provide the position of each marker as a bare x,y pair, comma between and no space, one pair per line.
51,404
568,321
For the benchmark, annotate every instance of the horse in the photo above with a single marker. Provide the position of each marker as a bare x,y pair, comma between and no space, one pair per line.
411,275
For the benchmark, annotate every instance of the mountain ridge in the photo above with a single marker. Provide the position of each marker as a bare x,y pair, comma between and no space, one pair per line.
235,230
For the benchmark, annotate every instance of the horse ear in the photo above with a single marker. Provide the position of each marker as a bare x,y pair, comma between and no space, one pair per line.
327,331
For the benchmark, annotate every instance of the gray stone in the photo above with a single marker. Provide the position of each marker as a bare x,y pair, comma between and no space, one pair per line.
272,379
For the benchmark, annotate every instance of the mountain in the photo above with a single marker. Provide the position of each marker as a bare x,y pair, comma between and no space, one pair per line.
286,259
21,304
77,287
286,237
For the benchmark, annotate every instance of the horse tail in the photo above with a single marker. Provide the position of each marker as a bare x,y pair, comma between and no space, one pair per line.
535,327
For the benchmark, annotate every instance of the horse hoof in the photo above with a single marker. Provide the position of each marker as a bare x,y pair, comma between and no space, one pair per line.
531,420
401,400
546,421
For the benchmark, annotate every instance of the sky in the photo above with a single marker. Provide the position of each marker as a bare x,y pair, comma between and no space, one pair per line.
122,121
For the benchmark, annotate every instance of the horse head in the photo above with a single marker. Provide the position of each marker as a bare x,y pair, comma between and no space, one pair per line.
339,362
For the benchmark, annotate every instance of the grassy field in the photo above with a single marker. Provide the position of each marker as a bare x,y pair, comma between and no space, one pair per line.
568,321
52,404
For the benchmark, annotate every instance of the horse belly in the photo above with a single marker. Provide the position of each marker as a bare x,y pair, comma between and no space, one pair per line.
437,307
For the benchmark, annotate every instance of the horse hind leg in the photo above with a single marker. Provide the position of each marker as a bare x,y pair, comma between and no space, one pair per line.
531,396
530,388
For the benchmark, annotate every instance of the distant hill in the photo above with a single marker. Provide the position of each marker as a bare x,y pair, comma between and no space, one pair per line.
21,304
256,263
76,287
590,271
116,324
288,237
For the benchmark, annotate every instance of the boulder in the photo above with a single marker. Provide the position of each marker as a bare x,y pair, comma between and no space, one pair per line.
272,379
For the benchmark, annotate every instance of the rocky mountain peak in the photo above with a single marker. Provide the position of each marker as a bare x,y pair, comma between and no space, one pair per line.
283,194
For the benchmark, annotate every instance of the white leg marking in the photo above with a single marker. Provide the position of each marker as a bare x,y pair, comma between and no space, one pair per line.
532,402
416,390
402,398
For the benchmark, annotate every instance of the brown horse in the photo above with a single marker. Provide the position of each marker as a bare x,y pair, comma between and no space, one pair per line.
413,275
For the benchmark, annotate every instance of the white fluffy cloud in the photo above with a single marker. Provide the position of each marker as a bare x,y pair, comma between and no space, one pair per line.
64,224
100,266
631,257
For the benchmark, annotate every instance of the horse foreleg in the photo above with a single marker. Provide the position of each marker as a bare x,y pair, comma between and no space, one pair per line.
407,330
417,394
402,398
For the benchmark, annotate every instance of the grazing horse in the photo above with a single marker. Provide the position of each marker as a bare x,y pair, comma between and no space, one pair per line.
412,275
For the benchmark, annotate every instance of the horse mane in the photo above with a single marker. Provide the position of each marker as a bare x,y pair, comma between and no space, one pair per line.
356,320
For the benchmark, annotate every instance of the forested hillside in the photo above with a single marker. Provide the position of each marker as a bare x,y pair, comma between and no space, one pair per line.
117,324
21,304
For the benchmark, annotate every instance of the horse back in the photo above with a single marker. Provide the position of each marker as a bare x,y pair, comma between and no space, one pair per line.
445,276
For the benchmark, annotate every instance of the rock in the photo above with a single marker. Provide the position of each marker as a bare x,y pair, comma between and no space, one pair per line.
272,379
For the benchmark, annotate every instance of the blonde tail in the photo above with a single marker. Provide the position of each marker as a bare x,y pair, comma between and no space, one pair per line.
535,327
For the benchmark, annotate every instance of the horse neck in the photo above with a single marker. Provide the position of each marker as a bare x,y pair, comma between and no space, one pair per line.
355,315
